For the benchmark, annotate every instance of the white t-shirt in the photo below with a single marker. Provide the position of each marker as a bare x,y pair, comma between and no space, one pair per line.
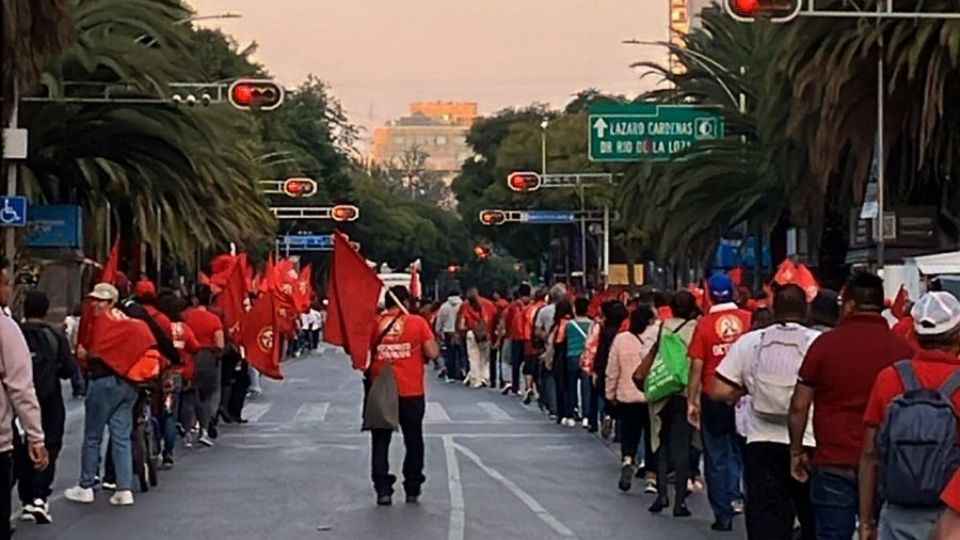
736,368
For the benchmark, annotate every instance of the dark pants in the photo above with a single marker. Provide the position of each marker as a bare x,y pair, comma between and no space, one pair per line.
516,364
598,398
571,383
314,339
722,458
31,483
674,448
6,484
774,498
411,424
494,367
635,425
835,497
454,358
206,381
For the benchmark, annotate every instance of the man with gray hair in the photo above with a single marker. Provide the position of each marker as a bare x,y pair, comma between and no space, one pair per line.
541,331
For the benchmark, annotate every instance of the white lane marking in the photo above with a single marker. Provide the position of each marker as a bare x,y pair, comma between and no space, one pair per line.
312,412
524,497
435,413
494,411
255,411
458,521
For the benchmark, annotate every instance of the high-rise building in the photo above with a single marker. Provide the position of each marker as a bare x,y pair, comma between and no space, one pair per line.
436,129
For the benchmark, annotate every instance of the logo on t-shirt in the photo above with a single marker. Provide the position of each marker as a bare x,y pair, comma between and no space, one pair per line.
729,328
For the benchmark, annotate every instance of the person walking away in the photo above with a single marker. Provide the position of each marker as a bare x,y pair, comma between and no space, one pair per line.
825,310
446,327
575,385
18,399
499,339
405,342
763,364
613,314
514,324
178,382
117,344
836,377
714,335
948,527
52,361
544,320
208,329
626,354
475,322
911,448
71,328
554,359
670,432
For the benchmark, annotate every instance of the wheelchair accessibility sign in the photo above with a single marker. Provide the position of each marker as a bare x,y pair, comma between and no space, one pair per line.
13,211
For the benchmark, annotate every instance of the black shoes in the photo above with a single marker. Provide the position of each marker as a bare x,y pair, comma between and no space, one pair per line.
722,526
412,499
626,477
384,500
680,510
659,505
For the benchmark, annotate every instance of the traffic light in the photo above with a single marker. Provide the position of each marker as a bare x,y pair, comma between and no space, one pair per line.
773,10
345,212
453,268
523,181
299,187
259,94
492,217
481,251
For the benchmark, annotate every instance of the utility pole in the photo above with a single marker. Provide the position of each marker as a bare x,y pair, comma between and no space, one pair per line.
10,243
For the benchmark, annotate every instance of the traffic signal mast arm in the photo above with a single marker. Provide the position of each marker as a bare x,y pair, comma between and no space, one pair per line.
781,11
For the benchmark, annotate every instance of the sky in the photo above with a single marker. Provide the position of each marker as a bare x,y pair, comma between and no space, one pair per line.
380,55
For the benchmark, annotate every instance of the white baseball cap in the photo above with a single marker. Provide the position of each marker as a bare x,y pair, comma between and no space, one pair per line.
936,313
104,291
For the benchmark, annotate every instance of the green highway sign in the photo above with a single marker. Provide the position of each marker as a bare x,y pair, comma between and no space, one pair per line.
649,131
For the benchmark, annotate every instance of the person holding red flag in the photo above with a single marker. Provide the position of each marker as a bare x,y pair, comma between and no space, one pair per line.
208,328
405,342
116,347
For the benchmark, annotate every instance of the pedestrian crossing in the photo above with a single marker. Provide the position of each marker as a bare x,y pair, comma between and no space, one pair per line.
315,413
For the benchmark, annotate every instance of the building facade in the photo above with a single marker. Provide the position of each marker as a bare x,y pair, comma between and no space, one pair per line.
436,130
684,16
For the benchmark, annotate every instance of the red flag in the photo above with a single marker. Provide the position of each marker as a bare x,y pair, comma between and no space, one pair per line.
707,302
108,274
899,307
304,292
110,268
260,338
736,274
786,273
267,280
415,291
230,299
807,282
353,290
119,340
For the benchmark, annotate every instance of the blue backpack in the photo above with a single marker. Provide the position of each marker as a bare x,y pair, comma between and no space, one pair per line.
917,443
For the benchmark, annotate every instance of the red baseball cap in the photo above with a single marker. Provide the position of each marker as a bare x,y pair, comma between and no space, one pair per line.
144,288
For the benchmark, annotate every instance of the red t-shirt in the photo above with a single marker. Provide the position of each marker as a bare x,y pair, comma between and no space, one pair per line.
904,328
932,367
951,495
204,325
186,343
714,335
471,316
841,366
403,347
514,322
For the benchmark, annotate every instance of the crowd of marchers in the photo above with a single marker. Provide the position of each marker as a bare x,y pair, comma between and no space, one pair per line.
814,414
156,370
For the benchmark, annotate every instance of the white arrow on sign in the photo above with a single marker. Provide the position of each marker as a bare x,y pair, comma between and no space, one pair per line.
601,126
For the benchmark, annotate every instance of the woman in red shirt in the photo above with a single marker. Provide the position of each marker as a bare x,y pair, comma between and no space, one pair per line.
180,398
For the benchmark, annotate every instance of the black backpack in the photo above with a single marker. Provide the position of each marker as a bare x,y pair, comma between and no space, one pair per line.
45,350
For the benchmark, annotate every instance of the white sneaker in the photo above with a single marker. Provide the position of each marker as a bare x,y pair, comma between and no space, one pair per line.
112,486
39,511
122,498
585,424
27,513
79,494
204,439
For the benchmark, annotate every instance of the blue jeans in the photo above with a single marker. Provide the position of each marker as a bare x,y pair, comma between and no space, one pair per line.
109,402
835,497
169,417
723,462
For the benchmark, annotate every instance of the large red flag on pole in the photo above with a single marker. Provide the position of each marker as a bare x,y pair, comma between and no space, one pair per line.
415,288
353,291
261,338
230,299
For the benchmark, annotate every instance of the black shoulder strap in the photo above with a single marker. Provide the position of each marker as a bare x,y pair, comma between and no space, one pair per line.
907,376
951,385
677,329
385,331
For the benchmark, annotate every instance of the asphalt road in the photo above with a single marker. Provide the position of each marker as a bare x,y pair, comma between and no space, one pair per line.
300,470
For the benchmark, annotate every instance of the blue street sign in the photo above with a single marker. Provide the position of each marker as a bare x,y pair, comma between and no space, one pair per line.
13,211
549,217
55,226
307,242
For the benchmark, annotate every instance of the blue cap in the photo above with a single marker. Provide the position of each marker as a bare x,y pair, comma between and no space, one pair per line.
721,288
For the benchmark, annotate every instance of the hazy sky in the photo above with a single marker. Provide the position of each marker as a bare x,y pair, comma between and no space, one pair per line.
380,55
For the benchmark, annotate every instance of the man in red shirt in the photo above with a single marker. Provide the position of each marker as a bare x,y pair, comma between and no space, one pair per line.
514,325
475,323
208,329
935,364
836,377
949,527
406,342
712,338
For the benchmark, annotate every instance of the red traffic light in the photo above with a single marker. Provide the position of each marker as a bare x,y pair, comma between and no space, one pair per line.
524,181
345,212
481,251
299,187
492,217
453,268
260,94
774,10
